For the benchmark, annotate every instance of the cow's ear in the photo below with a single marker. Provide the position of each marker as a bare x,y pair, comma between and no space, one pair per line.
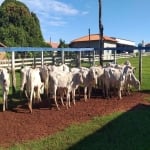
134,68
22,66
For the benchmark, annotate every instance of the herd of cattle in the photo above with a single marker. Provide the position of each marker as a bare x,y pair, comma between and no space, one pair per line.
62,81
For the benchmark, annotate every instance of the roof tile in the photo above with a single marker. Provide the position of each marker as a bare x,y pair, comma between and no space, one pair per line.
93,37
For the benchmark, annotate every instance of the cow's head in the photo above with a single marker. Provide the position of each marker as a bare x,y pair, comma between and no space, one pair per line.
78,78
93,75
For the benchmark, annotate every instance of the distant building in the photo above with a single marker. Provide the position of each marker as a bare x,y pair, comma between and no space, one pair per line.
93,41
148,47
53,44
124,45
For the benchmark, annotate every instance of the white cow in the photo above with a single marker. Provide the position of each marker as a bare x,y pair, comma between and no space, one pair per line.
23,72
77,80
62,67
90,77
65,83
5,84
114,80
44,73
34,86
130,80
120,78
99,71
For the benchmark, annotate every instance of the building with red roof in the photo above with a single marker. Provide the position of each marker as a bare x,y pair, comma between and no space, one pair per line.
53,44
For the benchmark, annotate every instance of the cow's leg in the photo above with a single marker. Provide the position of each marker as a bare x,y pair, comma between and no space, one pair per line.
4,101
109,91
26,94
103,90
46,89
55,98
89,92
56,103
73,96
62,93
34,97
62,101
119,94
62,97
68,100
38,94
106,91
85,93
30,105
68,96
79,91
30,101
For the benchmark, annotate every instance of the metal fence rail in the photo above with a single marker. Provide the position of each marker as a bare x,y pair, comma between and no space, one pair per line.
50,60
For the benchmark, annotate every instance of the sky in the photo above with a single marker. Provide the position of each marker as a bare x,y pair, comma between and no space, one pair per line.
71,19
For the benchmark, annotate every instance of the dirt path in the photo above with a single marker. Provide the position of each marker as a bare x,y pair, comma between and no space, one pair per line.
18,125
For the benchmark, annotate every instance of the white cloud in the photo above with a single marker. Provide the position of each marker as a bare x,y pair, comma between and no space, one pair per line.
45,9
57,23
84,12
63,8
51,6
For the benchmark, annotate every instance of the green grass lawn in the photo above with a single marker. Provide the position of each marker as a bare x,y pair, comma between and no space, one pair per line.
118,131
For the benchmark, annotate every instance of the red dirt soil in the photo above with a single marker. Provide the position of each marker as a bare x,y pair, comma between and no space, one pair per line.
18,125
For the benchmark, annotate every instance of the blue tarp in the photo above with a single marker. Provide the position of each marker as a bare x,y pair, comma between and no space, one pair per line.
37,49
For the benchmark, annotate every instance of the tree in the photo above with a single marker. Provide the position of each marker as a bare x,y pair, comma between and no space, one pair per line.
19,26
62,44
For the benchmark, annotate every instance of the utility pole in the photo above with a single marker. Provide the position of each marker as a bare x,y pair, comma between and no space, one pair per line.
101,44
140,60
89,52
89,38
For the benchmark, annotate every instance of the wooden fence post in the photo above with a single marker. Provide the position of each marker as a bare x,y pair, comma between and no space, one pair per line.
13,73
93,57
53,58
115,56
42,59
89,57
34,61
62,57
140,61
78,59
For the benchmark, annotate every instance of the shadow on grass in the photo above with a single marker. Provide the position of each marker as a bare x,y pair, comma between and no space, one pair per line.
129,131
145,91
